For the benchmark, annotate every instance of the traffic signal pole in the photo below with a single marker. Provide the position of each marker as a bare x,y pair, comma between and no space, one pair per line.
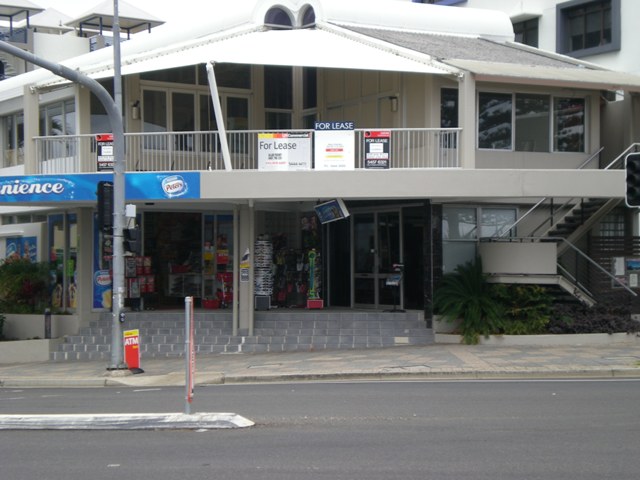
117,127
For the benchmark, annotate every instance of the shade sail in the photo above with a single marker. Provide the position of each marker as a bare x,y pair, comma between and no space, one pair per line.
303,48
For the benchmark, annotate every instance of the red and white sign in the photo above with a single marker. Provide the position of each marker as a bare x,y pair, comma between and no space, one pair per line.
132,348
104,149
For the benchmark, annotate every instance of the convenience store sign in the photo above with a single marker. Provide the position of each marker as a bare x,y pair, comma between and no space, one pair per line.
83,187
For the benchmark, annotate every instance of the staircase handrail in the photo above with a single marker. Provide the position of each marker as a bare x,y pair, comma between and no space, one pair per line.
633,147
544,199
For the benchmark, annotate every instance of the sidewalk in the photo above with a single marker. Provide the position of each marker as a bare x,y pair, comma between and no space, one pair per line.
406,362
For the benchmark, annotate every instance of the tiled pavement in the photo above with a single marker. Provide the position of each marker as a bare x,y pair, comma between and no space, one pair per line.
405,362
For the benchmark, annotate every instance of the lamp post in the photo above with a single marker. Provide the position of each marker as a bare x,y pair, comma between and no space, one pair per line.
115,119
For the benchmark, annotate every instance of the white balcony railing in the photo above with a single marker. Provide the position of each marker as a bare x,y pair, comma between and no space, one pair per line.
184,151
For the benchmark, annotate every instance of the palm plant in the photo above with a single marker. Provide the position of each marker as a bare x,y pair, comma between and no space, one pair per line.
466,295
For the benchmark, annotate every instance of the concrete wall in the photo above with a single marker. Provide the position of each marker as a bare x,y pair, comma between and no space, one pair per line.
23,327
519,258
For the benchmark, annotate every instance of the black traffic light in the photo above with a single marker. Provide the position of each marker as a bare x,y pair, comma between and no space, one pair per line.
131,242
105,206
632,167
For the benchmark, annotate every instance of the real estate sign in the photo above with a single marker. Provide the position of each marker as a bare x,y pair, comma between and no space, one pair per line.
284,151
334,146
376,149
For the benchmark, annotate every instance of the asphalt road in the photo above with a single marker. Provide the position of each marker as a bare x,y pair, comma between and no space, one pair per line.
406,430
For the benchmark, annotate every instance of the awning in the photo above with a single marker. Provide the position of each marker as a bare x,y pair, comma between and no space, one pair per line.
302,48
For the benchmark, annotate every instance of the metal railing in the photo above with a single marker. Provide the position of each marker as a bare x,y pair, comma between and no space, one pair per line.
193,151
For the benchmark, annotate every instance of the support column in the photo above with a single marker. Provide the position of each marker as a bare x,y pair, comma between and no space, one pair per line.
245,288
84,267
467,116
31,109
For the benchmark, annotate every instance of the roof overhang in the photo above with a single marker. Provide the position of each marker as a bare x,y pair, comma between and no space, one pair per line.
586,78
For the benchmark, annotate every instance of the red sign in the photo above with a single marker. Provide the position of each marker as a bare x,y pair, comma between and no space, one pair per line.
132,348
104,149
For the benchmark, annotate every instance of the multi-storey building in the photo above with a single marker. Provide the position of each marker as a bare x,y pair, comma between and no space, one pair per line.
436,133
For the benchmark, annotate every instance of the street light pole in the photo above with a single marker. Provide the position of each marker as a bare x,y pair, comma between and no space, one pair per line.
117,285
115,119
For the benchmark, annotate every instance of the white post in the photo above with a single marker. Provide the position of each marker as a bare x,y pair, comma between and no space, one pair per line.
217,109
189,354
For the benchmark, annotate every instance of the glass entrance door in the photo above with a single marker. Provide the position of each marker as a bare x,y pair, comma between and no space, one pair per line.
376,248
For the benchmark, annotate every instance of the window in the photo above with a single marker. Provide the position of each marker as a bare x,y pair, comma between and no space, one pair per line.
462,228
449,108
588,27
13,126
186,75
229,75
494,122
568,134
527,32
58,119
278,97
535,121
278,18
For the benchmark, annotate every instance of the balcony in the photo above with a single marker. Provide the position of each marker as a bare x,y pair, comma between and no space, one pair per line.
425,148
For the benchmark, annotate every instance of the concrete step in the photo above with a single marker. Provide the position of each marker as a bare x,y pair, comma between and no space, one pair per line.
162,334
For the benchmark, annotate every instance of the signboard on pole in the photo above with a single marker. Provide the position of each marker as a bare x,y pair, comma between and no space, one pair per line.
132,348
284,151
334,146
376,149
104,149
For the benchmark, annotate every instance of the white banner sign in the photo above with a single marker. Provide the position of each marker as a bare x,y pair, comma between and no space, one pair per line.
284,151
334,146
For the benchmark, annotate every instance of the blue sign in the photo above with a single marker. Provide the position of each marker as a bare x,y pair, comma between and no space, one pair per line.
82,187
162,186
334,125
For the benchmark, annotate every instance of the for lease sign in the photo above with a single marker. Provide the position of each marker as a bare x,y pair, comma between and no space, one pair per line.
334,146
284,151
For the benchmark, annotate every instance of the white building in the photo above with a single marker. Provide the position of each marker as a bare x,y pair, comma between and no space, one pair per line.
438,133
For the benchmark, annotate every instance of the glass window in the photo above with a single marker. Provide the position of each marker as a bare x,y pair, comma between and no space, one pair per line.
13,151
277,121
229,75
587,27
569,124
70,117
462,227
459,223
527,32
495,221
186,75
277,18
278,84
99,119
155,111
449,108
309,88
494,122
154,107
207,115
533,123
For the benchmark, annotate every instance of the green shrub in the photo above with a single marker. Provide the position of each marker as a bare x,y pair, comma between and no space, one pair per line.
465,294
24,286
601,318
527,308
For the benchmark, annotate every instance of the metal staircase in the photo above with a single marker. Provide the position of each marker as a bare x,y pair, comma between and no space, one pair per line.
566,225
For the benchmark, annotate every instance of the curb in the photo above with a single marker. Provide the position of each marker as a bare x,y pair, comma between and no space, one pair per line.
118,421
177,379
